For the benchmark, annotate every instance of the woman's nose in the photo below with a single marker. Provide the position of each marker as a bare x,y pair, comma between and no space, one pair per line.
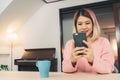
84,26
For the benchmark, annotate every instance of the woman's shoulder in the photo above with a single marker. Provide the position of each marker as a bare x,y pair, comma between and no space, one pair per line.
70,41
102,39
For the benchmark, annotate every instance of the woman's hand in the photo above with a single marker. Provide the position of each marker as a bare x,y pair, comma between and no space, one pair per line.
79,52
88,52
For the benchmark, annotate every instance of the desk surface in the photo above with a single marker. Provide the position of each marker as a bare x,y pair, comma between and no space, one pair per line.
15,75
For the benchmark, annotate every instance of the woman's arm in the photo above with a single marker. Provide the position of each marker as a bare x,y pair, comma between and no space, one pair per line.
104,62
66,63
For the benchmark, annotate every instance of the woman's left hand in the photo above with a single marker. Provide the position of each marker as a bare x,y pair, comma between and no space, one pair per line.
88,52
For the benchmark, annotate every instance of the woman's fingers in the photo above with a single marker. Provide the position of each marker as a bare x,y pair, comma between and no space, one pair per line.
78,51
87,43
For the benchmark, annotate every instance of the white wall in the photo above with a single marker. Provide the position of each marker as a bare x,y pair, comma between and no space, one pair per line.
43,28
13,15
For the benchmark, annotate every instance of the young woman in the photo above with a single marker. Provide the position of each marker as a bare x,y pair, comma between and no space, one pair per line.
98,56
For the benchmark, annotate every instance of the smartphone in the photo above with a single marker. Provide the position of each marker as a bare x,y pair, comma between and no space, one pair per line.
78,38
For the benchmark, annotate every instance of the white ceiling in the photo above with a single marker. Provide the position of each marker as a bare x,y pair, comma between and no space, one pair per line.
14,13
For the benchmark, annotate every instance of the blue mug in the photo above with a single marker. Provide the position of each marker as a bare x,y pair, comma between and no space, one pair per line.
43,67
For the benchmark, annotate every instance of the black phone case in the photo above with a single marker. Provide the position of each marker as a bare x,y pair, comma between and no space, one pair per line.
78,38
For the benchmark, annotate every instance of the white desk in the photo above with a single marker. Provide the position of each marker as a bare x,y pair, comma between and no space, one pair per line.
15,75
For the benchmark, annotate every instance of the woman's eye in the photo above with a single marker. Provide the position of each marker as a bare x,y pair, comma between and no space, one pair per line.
79,24
87,23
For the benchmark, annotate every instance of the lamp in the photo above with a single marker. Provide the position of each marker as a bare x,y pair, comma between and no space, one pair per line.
11,36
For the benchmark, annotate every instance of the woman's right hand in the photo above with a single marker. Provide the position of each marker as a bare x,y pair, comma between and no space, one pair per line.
77,53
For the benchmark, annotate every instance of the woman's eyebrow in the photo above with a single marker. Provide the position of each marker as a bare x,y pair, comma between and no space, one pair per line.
84,21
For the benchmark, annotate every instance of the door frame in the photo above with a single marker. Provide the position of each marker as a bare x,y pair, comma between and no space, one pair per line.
116,9
72,9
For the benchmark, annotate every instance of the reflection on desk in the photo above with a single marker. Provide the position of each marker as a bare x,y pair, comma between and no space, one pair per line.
15,75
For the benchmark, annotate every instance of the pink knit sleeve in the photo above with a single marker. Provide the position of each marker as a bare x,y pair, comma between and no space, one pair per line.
66,63
103,61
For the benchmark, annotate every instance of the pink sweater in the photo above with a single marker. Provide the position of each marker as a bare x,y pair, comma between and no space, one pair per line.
103,58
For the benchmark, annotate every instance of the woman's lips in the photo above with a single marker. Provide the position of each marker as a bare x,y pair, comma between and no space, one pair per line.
84,31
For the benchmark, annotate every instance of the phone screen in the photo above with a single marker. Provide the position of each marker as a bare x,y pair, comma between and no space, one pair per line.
78,38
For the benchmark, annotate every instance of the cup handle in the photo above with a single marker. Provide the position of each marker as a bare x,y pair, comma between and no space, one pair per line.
36,64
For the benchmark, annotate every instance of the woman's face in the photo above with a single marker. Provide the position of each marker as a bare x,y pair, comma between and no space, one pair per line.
84,24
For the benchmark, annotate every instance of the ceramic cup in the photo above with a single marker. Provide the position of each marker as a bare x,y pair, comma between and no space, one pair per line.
43,67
